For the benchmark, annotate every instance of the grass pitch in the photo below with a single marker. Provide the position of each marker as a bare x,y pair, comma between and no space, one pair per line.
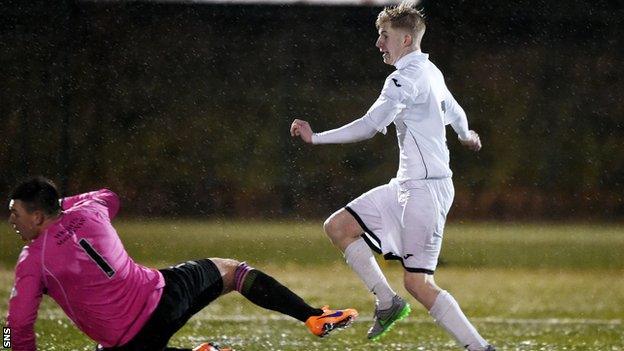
525,287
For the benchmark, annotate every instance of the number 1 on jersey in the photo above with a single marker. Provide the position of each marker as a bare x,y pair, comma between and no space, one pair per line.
97,258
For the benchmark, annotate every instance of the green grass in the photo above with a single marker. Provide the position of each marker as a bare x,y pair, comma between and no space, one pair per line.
577,246
557,246
525,287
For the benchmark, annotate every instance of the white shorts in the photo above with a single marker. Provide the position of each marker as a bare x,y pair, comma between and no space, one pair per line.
406,221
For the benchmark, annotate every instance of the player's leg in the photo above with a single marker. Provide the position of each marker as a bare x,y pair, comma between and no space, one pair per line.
445,310
342,229
346,234
422,286
189,287
425,207
264,291
367,223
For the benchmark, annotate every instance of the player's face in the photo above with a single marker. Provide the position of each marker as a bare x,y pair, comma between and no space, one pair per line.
391,43
23,222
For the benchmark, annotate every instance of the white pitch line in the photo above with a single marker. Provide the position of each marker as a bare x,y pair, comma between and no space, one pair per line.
553,321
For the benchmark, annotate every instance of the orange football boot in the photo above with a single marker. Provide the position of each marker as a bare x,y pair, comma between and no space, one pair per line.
208,346
330,320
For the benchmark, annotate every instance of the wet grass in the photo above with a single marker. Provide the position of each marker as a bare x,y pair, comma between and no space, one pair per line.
476,245
526,287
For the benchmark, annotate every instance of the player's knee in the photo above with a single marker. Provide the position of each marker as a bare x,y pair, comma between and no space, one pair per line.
227,268
341,224
334,229
225,265
329,227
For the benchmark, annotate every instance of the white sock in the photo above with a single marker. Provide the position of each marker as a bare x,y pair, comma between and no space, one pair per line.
360,258
447,313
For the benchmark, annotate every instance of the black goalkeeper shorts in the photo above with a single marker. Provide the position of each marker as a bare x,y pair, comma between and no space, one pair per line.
189,287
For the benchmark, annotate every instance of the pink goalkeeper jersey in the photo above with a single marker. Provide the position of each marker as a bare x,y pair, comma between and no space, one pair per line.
81,263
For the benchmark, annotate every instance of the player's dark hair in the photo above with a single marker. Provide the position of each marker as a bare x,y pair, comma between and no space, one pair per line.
38,193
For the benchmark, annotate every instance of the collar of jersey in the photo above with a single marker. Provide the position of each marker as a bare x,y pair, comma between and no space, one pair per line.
409,58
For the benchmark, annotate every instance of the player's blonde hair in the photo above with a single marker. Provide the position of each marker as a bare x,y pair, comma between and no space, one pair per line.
405,16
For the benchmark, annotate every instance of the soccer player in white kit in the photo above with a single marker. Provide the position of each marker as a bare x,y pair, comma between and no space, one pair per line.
405,218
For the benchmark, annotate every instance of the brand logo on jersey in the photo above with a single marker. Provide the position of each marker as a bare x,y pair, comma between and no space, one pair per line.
396,82
407,256
443,106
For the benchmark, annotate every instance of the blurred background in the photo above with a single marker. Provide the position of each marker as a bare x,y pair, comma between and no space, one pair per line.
184,108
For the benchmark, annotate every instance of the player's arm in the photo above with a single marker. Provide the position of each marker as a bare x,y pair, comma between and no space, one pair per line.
24,304
456,117
355,131
102,196
378,117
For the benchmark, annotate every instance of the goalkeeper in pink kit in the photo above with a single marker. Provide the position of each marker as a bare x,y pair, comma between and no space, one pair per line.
75,256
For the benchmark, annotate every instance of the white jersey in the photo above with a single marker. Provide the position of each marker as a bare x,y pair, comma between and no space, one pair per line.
416,99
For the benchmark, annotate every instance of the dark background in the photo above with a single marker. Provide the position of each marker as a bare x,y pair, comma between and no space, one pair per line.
184,109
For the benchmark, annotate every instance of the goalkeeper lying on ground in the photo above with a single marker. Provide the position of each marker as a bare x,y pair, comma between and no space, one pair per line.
75,256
